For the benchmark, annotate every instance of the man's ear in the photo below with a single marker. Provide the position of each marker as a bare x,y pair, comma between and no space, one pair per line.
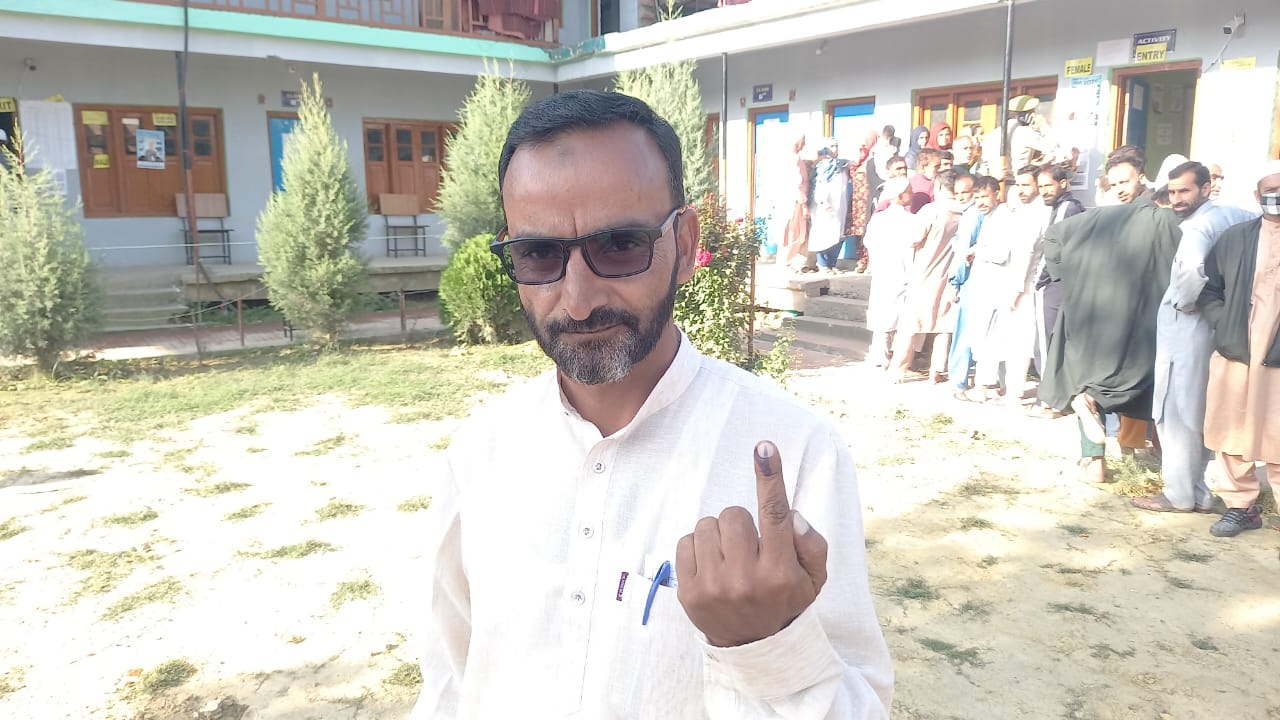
688,239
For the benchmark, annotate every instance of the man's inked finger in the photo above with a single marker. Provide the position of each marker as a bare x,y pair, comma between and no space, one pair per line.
774,513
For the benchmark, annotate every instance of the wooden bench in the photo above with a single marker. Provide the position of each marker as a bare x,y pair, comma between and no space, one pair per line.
400,213
211,216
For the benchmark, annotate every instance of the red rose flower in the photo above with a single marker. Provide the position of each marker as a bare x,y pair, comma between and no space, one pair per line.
704,258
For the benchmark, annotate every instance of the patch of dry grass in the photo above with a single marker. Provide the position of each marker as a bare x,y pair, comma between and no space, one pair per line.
294,551
352,590
246,512
339,508
166,675
11,527
131,519
414,504
407,675
164,591
218,488
105,570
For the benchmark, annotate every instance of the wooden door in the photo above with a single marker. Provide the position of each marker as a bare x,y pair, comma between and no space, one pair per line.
427,150
377,171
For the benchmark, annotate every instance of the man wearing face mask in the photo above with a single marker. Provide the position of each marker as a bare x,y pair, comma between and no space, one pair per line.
1241,302
1184,343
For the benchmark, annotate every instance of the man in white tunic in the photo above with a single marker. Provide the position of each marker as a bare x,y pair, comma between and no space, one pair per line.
890,239
643,532
1184,344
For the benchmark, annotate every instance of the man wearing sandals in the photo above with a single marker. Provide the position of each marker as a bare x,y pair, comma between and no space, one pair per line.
1184,342
1241,302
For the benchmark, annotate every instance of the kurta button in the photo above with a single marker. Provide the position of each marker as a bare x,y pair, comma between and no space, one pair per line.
578,597
598,467
587,532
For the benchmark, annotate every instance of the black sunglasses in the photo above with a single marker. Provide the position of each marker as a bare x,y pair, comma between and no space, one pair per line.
616,253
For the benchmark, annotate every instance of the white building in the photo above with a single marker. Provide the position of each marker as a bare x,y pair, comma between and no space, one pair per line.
87,76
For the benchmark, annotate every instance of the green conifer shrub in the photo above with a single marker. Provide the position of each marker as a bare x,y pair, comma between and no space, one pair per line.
308,235
469,198
49,300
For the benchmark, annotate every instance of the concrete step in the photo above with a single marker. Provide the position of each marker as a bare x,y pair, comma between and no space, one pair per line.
142,297
836,307
851,286
830,336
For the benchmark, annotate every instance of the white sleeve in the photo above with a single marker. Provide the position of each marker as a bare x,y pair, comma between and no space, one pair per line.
832,661
1187,278
447,634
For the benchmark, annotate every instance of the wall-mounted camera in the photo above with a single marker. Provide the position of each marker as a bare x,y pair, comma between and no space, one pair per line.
29,64
1234,26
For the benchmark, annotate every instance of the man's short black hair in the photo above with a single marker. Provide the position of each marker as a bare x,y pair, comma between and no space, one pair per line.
986,182
1128,155
1203,176
895,160
1161,196
948,155
947,179
1058,172
889,131
565,112
1032,170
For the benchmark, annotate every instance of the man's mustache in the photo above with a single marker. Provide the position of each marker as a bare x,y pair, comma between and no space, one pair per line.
598,319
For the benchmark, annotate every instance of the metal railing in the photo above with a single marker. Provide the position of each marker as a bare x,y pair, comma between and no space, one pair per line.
452,17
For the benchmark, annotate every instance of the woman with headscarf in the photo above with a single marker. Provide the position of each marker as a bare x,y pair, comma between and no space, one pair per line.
829,206
795,241
860,206
940,136
919,139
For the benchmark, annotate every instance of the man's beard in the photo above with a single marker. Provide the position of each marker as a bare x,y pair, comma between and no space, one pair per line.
608,359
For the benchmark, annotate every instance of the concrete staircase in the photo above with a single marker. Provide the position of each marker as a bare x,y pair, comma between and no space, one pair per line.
829,312
141,298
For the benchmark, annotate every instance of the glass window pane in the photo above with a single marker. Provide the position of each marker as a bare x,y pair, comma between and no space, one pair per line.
428,139
375,153
373,136
201,128
404,136
203,148
95,139
404,153
973,111
170,141
130,126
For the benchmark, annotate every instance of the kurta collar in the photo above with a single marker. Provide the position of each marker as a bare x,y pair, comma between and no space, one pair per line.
678,377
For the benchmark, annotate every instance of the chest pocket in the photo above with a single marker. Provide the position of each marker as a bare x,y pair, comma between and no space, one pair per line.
657,662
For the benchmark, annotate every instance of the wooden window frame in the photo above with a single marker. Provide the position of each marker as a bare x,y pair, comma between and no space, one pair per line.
828,111
442,128
115,149
1018,86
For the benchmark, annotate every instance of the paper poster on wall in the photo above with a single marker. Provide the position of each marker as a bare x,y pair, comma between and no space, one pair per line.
151,149
1079,67
164,119
101,161
1164,134
1242,63
8,104
49,129
1077,111
1113,52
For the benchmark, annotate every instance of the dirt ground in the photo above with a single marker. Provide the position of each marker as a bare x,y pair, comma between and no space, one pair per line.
1006,589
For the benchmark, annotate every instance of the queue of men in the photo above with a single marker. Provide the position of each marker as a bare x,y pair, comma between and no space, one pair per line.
1160,307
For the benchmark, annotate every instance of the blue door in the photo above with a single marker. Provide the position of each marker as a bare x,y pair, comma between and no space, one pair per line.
1139,101
773,175
279,129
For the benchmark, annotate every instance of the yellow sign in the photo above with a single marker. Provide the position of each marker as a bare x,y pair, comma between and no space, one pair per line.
1080,67
1153,53
1245,63
101,160
8,104
164,119
94,117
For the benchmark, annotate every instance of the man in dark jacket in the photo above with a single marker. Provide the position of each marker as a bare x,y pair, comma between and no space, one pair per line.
1114,266
1055,189
1241,302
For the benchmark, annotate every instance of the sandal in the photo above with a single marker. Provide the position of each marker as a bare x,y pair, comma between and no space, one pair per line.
1158,503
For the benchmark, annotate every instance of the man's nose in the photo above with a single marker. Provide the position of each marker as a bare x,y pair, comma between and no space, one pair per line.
581,290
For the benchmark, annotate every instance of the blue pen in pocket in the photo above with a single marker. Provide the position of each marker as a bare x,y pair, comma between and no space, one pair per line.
660,578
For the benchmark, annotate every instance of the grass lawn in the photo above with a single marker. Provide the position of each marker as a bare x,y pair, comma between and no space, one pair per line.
132,400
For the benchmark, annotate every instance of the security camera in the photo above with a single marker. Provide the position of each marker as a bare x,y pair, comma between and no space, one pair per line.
1234,26
29,64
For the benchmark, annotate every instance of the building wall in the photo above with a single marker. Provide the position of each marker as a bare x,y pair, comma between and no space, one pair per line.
1233,113
84,74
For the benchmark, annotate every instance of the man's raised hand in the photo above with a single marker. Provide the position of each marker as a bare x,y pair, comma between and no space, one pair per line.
739,585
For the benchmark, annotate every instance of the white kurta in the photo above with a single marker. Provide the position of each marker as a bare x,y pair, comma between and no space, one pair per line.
1184,345
891,235
1184,341
1010,247
543,537
829,208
